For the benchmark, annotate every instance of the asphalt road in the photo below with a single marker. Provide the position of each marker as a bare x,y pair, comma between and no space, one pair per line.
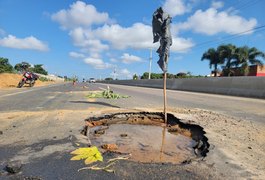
63,96
72,98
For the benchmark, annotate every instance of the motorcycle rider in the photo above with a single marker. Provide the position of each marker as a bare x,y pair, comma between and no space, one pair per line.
28,77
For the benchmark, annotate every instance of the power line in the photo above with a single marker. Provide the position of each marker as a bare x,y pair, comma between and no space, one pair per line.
226,38
241,5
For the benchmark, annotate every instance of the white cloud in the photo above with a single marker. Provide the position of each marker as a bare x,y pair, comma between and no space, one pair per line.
127,58
26,43
211,22
176,7
122,74
217,4
137,36
181,45
80,14
76,55
97,63
125,73
85,39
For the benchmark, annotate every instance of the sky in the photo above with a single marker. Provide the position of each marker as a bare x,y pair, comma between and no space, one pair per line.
113,38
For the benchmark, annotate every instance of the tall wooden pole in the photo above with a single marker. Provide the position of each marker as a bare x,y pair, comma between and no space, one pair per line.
165,95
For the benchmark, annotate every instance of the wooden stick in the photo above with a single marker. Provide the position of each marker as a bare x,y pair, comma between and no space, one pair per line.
163,142
165,96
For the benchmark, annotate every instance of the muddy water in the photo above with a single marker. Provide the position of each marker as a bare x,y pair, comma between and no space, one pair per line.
146,143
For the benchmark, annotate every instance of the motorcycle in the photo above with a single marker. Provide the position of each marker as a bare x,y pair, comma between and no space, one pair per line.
28,78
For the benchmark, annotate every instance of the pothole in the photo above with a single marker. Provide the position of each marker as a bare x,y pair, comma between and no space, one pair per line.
145,136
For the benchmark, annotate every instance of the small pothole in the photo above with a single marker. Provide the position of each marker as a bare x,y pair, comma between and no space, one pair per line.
145,136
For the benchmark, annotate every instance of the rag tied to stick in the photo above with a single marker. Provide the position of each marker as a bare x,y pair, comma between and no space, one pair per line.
161,32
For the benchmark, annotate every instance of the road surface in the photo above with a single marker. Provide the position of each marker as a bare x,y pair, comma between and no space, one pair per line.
41,125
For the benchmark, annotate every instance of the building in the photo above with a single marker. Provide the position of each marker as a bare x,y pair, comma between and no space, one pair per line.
254,70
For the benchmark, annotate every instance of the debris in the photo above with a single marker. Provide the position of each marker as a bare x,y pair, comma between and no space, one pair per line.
123,135
13,167
109,147
89,124
90,154
95,167
99,132
107,94
119,158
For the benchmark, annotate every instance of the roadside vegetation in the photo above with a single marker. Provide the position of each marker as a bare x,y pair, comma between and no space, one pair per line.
6,67
169,75
229,57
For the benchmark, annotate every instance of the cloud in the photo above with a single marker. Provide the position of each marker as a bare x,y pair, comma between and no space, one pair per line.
176,7
27,43
127,58
80,14
211,22
125,73
181,45
85,39
101,38
137,36
97,63
76,55
122,73
217,4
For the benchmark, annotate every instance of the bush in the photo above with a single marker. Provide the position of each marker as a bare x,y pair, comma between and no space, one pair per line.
5,66
43,79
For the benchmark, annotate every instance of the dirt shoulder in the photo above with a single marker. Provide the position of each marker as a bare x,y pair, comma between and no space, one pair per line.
9,81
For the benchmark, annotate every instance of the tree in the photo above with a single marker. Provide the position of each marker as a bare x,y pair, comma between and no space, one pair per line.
214,60
23,66
5,66
38,68
153,75
135,77
145,75
227,55
108,79
248,56
156,75
170,76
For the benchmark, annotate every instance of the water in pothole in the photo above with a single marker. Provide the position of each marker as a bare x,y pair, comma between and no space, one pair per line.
145,143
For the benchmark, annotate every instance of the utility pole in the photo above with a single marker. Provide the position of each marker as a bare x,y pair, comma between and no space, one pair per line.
150,63
114,73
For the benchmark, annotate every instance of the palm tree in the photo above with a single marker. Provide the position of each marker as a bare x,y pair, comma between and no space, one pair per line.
227,54
213,56
248,56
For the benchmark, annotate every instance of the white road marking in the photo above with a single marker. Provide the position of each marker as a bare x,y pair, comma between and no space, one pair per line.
102,88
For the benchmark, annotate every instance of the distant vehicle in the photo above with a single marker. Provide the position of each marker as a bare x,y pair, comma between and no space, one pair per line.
92,80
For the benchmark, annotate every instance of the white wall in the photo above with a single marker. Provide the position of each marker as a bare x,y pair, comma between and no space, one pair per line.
248,86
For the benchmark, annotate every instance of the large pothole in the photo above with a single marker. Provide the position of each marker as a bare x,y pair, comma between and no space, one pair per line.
145,136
